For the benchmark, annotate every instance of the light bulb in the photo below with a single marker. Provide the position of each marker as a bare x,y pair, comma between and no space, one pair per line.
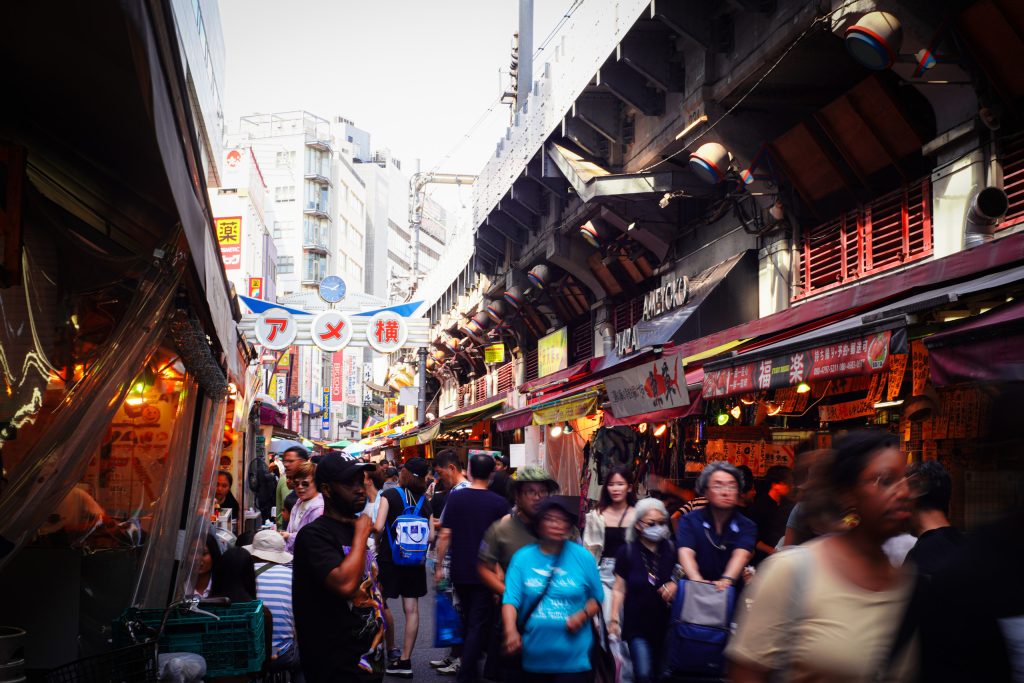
662,428
722,419
556,431
803,388
568,428
736,411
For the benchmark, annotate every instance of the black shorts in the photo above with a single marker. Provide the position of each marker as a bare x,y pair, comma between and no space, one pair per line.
402,582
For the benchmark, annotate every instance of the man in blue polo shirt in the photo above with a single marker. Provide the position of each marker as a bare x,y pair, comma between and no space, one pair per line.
716,542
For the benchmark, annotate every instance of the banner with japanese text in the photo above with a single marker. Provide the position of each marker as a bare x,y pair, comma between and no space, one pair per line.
647,388
553,352
859,356
338,376
229,237
570,409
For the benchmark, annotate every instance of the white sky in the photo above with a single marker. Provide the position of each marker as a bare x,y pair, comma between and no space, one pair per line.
416,74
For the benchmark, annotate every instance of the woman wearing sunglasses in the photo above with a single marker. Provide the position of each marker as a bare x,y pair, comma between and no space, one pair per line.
310,504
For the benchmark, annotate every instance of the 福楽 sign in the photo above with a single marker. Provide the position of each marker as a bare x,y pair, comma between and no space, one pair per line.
673,293
553,352
657,385
860,356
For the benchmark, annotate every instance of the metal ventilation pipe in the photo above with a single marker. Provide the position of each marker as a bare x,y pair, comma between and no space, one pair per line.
988,205
986,210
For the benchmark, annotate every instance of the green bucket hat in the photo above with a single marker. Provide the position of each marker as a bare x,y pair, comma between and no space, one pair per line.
535,474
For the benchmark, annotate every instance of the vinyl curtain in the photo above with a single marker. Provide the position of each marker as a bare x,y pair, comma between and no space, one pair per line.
51,467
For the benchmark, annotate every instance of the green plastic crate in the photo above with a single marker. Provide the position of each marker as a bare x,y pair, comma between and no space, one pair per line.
232,646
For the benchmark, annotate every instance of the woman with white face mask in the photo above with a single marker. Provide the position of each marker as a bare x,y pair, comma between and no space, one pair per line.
643,571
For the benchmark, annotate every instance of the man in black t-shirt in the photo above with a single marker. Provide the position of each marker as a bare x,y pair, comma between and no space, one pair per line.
770,511
338,607
468,514
408,582
937,539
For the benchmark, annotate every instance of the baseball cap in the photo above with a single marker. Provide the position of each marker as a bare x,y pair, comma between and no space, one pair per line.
417,466
333,467
269,545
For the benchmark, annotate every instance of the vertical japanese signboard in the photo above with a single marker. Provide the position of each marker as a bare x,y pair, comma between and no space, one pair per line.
553,352
325,420
229,237
256,287
338,376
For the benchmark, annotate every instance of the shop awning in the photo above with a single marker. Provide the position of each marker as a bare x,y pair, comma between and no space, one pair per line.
719,298
856,345
557,378
377,426
467,417
695,407
657,389
577,402
986,348
424,434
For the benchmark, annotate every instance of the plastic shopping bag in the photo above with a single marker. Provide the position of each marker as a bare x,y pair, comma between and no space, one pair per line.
447,624
623,663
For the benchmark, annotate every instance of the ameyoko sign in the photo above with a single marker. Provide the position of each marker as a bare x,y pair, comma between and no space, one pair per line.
859,356
331,331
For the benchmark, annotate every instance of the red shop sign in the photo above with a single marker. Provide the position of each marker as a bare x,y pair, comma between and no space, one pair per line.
860,356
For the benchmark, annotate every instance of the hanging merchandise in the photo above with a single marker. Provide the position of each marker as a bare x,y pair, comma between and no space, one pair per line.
614,447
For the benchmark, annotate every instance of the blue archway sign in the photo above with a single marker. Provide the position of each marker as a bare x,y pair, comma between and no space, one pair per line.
258,306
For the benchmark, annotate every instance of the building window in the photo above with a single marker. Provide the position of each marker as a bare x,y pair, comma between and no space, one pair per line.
316,197
315,267
356,203
284,193
284,229
284,159
285,264
357,271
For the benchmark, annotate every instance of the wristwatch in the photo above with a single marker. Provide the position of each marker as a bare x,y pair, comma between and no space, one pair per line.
729,579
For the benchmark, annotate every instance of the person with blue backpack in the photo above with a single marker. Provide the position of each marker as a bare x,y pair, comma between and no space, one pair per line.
404,534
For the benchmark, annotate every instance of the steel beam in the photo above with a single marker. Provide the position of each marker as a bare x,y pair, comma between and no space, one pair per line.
601,113
623,82
506,226
651,54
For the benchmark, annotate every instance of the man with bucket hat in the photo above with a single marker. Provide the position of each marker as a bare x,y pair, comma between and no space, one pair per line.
274,587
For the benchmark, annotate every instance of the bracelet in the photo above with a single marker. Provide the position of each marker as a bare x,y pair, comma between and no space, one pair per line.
728,578
614,621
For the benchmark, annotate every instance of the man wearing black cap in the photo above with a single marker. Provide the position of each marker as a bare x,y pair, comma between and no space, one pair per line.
338,620
408,582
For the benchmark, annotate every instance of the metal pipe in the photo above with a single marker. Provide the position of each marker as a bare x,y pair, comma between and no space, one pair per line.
989,204
421,413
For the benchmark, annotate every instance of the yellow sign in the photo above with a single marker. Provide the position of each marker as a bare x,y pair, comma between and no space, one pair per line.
571,409
494,353
229,230
553,352
285,360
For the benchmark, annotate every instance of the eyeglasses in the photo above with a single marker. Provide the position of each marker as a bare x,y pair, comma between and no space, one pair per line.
888,482
534,493
302,483
643,524
724,488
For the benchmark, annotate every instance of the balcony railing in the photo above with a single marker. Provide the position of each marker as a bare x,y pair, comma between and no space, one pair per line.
318,141
318,209
315,244
318,176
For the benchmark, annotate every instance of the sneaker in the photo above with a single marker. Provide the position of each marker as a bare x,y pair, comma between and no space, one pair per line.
452,669
400,667
440,663
394,654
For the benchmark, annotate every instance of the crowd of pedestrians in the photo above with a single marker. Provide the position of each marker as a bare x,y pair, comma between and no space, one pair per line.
792,579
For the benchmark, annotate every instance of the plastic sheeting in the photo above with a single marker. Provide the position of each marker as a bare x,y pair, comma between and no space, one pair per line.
60,401
204,482
157,566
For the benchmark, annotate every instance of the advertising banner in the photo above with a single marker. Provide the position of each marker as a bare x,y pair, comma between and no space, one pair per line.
647,388
229,237
338,376
553,352
860,356
325,420
280,388
846,411
256,287
571,409
353,373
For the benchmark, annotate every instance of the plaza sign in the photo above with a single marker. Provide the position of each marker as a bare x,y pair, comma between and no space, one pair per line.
673,293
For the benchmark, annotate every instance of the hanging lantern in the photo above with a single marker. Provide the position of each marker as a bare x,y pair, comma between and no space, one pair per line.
710,162
452,345
514,297
539,275
496,311
590,234
874,41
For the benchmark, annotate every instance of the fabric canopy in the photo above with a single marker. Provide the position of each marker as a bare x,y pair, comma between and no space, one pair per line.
470,416
986,348
423,435
566,409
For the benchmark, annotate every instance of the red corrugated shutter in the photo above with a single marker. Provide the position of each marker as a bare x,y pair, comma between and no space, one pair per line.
506,377
531,364
1012,156
889,232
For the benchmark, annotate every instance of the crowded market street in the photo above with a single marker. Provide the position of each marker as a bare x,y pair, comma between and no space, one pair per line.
519,341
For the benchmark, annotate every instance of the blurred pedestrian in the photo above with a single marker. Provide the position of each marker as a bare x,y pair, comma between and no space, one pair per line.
501,480
390,478
644,585
832,610
236,581
468,514
335,595
716,542
310,503
770,510
552,591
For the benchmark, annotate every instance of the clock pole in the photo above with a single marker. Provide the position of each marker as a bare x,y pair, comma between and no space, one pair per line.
421,413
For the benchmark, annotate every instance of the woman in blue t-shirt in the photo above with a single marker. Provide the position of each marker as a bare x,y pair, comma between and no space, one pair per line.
552,591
